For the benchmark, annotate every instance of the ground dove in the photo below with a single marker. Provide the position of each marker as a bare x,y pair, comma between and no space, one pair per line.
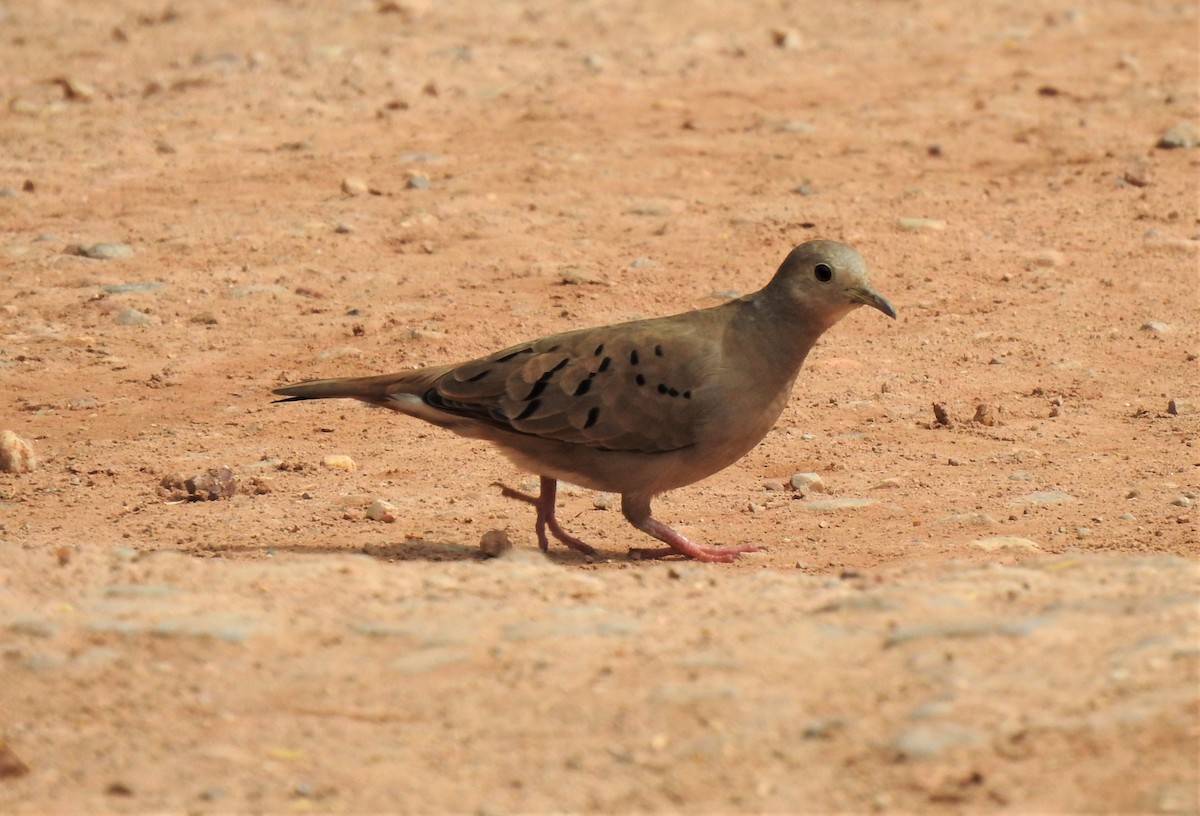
635,408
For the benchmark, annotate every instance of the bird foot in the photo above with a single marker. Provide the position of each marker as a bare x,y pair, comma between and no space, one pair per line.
544,504
679,545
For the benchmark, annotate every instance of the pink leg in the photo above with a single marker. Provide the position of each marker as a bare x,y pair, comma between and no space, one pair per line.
544,504
637,511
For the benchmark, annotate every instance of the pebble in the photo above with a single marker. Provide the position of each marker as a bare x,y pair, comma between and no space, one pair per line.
495,543
928,741
833,505
1182,501
604,501
984,415
808,481
122,288
1046,258
787,39
106,251
1127,517
994,543
16,454
1137,173
1083,532
1181,407
917,224
891,481
353,186
338,461
1045,497
419,183
380,510
1180,135
133,317
974,519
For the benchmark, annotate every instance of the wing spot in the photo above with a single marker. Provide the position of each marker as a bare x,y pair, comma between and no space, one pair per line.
658,352
640,379
662,389
687,394
604,364
599,350
674,392
583,387
480,375
529,409
538,388
633,357
592,416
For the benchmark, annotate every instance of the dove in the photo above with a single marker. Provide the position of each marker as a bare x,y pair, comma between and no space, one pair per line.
635,408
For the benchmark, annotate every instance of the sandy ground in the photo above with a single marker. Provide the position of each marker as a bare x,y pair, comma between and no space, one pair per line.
996,615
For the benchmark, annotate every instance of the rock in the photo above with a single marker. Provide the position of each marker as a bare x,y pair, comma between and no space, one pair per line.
106,251
1180,135
1156,326
604,501
337,461
495,543
1137,173
1181,407
972,519
808,481
928,741
418,183
787,38
940,415
122,288
889,482
132,317
352,186
984,415
833,505
1182,501
920,224
16,454
994,543
212,484
1045,497
1046,258
380,510
11,765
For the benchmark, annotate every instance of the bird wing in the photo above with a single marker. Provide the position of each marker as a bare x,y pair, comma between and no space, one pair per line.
637,387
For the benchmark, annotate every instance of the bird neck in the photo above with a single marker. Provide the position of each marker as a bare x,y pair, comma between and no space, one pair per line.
774,332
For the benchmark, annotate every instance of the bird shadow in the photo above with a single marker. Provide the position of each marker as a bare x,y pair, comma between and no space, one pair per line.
418,549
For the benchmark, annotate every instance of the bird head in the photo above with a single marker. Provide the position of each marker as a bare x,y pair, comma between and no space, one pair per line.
824,281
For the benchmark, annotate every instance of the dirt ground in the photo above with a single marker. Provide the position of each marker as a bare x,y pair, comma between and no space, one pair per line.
998,615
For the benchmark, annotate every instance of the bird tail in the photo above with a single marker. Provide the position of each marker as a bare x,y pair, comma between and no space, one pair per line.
379,390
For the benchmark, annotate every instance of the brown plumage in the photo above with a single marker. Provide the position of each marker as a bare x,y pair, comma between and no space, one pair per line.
636,408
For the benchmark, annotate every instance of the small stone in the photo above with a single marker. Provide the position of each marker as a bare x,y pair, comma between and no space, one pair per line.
773,485
808,481
833,505
984,415
212,484
16,455
380,510
1181,407
1046,258
122,288
338,461
353,186
940,415
495,543
786,38
994,543
106,251
1127,517
133,317
972,519
920,224
603,501
1181,135
1137,173
574,276
888,483
1046,497
81,403
419,183
1182,501
11,765
1083,532
1156,326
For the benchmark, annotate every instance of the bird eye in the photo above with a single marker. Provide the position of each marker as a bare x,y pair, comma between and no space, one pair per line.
824,272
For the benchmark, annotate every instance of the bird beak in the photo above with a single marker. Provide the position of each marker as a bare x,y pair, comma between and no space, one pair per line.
869,297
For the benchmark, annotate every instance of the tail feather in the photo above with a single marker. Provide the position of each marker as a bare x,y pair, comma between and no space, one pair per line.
377,390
